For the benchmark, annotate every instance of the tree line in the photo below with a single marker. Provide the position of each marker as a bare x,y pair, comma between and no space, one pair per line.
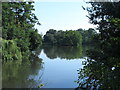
70,37
62,38
19,37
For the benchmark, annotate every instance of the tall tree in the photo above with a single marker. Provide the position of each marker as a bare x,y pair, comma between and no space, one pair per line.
18,21
103,67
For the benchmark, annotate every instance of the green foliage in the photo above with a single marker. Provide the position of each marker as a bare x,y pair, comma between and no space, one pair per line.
35,40
19,38
109,28
10,51
71,38
99,71
63,38
41,85
102,68
18,21
88,36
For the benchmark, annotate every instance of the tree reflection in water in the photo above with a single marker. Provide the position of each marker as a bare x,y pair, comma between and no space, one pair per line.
63,52
25,73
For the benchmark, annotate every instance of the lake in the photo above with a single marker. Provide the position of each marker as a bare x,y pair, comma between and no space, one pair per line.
55,67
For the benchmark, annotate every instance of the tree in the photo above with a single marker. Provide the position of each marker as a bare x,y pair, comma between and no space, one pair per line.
87,36
35,40
63,38
18,21
109,26
106,58
49,38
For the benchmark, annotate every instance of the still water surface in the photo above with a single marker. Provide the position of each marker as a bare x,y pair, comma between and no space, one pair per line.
56,67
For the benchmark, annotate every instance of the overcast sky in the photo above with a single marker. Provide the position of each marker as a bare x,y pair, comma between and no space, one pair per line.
61,16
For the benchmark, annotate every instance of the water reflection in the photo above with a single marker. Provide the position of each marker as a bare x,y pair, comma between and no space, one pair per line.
61,64
22,74
27,73
63,52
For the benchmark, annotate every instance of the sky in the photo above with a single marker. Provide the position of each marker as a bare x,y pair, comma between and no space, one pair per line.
61,16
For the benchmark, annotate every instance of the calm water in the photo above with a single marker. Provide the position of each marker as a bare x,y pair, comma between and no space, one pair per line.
55,67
